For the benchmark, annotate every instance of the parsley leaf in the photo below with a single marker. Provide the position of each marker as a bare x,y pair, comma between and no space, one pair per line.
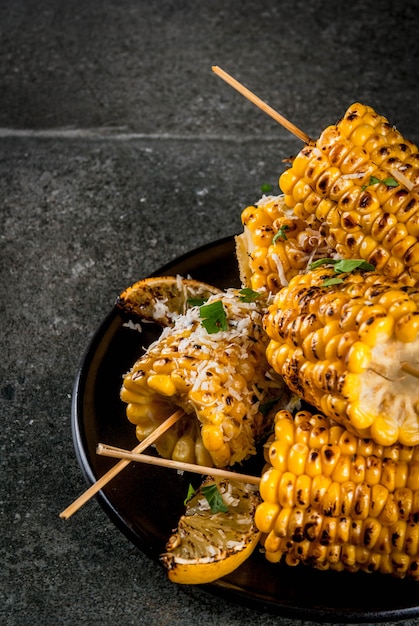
191,492
281,233
266,188
332,281
248,295
319,262
214,499
196,301
389,181
213,317
341,266
349,265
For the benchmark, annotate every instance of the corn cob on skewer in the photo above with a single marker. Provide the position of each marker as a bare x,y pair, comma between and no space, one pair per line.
345,182
340,347
276,244
334,501
221,380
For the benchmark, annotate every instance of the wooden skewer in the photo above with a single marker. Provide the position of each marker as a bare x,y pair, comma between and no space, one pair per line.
410,369
101,482
120,453
261,104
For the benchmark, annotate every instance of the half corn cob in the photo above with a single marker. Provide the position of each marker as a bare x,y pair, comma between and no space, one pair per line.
334,501
276,244
221,379
346,181
341,347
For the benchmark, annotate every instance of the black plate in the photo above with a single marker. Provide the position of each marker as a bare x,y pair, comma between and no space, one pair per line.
145,502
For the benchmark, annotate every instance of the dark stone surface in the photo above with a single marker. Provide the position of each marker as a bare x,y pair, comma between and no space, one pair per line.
120,150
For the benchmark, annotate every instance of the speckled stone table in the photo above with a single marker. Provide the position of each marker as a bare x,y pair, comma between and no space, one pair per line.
119,151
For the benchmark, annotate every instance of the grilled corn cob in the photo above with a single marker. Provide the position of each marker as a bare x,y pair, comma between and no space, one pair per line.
346,180
334,501
341,347
276,244
221,380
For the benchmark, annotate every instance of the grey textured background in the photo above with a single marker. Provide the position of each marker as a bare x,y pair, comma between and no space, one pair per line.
120,150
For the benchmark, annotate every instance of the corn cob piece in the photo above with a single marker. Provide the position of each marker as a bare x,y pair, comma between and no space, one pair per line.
334,501
346,181
160,299
276,244
341,347
221,379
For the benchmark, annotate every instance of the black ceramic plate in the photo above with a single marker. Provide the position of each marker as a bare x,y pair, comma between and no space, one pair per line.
145,502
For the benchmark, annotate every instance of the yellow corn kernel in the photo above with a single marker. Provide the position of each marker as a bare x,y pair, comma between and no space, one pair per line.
286,489
329,457
407,327
212,436
278,454
376,330
272,542
269,485
331,501
303,491
358,468
143,430
361,134
265,516
297,458
319,486
184,450
413,478
284,427
162,383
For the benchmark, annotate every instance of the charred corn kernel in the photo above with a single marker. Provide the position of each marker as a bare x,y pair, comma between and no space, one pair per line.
282,521
303,490
221,380
278,452
346,171
352,374
364,515
286,489
275,243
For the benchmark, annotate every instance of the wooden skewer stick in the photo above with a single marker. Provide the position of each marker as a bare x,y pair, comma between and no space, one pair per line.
409,369
101,482
261,104
120,453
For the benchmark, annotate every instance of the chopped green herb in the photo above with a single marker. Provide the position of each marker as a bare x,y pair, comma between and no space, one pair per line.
389,181
319,262
248,295
196,301
189,495
213,317
349,265
281,233
214,499
343,265
266,188
332,281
